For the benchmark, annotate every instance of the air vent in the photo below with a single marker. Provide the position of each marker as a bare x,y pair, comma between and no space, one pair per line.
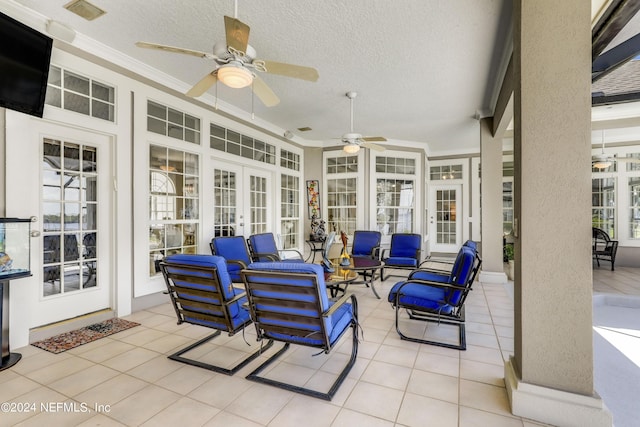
84,9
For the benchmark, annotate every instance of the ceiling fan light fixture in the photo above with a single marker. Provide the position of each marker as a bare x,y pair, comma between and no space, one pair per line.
234,76
602,164
351,148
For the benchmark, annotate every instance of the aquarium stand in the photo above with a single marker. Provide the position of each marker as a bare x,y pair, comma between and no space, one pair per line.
8,359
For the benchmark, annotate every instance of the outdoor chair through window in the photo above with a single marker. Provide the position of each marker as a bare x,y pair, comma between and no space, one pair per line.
604,249
437,297
289,303
202,294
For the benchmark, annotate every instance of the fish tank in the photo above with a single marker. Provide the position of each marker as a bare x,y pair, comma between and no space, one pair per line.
15,248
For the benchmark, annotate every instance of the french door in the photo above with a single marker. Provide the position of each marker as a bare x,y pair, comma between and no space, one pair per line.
68,172
445,218
243,200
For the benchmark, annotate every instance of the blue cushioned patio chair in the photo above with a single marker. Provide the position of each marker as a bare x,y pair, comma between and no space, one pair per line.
202,294
263,248
366,243
445,264
404,252
437,297
235,251
289,303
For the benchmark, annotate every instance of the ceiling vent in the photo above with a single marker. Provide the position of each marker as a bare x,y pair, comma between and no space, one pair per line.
84,9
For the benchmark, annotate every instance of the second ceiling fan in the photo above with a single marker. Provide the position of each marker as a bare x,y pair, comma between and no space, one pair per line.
236,64
353,141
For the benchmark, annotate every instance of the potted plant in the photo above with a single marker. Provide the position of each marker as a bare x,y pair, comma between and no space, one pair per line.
509,255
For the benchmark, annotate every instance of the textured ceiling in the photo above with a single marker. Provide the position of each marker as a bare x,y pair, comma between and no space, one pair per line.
422,68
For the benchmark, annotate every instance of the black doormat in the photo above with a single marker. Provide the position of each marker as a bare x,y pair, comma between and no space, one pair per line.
68,340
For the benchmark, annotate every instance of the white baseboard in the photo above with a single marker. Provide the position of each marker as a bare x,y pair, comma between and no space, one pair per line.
492,277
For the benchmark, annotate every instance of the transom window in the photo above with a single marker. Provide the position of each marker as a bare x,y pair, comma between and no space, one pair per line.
74,92
438,173
170,122
232,142
289,160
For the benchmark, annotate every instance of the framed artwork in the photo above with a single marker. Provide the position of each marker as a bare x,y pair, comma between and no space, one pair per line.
313,198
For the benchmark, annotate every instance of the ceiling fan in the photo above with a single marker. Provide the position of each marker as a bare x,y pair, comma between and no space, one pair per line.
236,63
603,161
353,141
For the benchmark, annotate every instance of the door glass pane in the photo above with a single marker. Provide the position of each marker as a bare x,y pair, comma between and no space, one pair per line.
224,194
69,210
446,216
258,207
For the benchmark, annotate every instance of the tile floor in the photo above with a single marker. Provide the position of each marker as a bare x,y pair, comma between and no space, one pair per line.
127,380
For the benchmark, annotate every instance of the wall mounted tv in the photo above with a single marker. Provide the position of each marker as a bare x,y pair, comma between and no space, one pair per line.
24,66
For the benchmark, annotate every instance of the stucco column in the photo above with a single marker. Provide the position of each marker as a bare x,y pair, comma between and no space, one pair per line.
550,377
491,205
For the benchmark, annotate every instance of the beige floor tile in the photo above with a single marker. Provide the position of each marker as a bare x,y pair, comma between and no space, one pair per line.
470,417
130,359
102,421
397,356
438,363
37,399
154,369
482,354
83,380
16,387
482,372
167,343
416,410
58,370
113,390
348,418
482,340
386,375
142,405
434,385
60,413
485,397
375,400
184,412
142,336
260,403
305,411
37,361
224,419
221,390
100,354
185,379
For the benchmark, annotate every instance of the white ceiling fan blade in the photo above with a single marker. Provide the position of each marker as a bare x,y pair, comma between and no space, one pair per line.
374,138
173,49
290,70
264,92
237,33
203,85
371,146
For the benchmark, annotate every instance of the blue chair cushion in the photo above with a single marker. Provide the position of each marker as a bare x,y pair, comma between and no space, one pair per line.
401,261
299,267
431,276
207,261
234,248
429,298
405,245
364,242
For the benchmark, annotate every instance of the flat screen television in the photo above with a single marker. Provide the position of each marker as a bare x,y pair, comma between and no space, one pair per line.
24,66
